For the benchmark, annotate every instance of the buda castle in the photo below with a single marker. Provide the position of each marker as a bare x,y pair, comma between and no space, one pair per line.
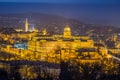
45,43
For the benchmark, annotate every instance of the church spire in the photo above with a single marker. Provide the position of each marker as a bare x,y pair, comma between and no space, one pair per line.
26,25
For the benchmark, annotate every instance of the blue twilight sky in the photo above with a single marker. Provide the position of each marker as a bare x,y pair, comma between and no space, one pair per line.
106,12
65,1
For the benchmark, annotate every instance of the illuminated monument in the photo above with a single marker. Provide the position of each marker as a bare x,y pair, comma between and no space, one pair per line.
50,43
26,25
44,32
67,32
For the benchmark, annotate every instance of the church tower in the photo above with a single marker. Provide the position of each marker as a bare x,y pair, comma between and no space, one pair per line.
115,37
26,25
67,32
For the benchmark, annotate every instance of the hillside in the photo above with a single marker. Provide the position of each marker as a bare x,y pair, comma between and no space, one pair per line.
52,23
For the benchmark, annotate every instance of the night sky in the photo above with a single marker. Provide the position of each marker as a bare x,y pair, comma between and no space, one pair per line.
65,1
106,12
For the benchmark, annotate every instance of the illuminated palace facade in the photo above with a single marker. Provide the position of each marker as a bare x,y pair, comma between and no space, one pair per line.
51,43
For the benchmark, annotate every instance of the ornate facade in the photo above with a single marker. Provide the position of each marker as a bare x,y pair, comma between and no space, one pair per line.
51,43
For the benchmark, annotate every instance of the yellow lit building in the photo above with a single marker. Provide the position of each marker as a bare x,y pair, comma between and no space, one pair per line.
52,43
